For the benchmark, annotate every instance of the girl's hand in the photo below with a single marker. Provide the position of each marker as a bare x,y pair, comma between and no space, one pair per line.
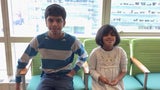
103,80
114,82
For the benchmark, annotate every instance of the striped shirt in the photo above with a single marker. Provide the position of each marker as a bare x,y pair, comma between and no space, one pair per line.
56,54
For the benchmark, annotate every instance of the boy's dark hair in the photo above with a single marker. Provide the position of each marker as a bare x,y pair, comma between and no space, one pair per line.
103,31
55,10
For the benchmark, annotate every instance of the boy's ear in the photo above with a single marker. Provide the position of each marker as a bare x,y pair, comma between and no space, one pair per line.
64,23
46,22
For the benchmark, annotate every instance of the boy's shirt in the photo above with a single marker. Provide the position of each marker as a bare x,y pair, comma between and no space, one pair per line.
56,54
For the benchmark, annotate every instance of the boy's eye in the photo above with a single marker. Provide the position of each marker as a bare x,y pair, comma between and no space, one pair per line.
55,20
59,20
50,20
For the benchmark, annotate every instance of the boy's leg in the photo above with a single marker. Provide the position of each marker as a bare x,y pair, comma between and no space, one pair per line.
64,83
56,82
45,84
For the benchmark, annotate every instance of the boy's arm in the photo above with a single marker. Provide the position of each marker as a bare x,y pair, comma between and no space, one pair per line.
18,77
82,55
27,55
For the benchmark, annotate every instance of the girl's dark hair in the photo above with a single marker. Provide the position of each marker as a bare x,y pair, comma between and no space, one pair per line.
103,31
55,10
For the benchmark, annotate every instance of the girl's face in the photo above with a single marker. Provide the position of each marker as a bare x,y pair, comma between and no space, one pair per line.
108,41
55,24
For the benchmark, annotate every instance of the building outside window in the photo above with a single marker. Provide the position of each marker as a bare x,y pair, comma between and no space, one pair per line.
136,16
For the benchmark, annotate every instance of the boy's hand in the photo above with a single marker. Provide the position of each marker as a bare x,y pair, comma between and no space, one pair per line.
71,73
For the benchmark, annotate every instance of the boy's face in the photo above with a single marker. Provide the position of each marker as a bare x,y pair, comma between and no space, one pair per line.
55,24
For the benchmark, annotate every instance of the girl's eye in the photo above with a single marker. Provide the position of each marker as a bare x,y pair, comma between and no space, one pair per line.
113,34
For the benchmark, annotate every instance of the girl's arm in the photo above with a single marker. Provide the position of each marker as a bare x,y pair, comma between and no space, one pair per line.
123,67
93,65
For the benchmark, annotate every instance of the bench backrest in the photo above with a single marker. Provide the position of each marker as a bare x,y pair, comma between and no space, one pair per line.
147,51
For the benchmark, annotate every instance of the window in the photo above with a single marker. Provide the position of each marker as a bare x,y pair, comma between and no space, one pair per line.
17,51
2,61
3,69
83,16
1,23
26,20
136,16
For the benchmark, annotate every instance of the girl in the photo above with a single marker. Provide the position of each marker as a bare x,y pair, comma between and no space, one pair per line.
108,61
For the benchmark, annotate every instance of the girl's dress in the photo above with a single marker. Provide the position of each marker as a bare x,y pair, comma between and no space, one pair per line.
108,64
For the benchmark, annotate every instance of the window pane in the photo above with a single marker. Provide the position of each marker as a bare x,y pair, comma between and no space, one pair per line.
1,23
17,51
83,16
3,69
136,15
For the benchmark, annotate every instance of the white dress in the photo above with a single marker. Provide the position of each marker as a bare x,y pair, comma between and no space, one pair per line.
108,64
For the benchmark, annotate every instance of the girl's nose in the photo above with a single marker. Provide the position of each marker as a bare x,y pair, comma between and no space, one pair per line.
109,35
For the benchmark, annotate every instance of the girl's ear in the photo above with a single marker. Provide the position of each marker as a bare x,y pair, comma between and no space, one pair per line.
101,43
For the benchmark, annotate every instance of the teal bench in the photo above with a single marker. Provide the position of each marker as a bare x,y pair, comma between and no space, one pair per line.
147,51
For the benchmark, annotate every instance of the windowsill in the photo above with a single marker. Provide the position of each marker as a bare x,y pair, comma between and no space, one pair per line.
140,34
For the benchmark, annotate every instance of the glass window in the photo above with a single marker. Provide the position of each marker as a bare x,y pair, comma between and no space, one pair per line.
3,69
17,51
136,16
1,23
83,16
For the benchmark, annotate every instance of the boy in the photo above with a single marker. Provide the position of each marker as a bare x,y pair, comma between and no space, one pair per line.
57,50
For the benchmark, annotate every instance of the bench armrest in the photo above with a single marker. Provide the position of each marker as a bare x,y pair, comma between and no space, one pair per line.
143,68
85,67
86,74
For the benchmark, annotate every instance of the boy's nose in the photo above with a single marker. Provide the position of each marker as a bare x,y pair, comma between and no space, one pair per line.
54,22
